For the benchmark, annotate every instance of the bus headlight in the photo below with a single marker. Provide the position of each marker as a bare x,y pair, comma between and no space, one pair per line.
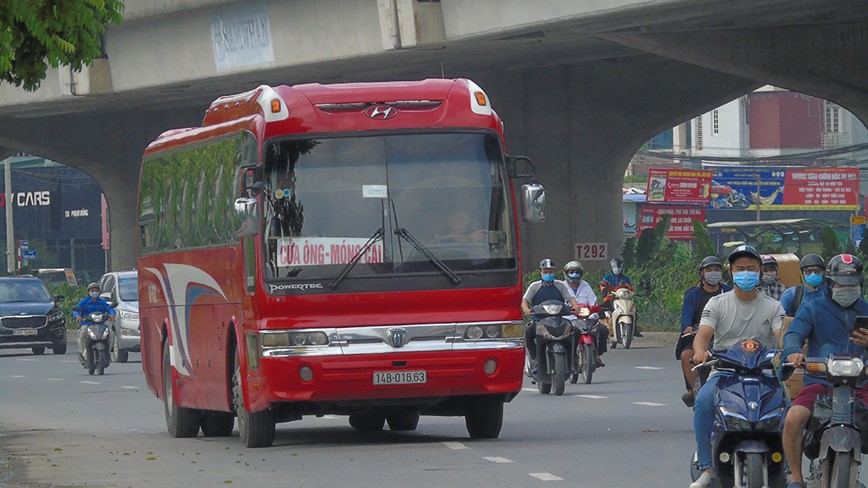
474,332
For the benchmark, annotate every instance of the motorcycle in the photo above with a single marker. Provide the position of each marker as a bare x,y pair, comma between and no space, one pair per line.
834,435
96,350
555,346
746,440
585,362
621,322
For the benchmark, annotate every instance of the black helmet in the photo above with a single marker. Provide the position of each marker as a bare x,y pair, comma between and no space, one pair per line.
845,269
768,259
709,261
744,251
547,264
812,260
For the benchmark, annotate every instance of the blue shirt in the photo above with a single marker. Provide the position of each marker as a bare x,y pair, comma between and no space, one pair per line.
788,299
614,281
88,305
827,327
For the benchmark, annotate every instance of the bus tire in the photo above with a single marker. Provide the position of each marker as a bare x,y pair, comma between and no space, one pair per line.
217,424
367,422
180,421
256,429
484,416
403,420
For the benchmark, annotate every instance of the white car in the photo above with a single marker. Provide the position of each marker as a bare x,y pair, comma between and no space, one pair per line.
122,287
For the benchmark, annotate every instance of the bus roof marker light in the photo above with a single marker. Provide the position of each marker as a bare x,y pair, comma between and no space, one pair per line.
480,98
275,105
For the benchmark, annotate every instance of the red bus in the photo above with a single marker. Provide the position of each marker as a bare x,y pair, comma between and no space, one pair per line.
344,249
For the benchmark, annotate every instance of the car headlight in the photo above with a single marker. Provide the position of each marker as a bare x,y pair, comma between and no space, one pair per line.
127,315
845,367
129,332
55,315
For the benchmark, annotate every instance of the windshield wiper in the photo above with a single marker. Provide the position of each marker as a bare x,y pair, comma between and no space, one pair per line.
402,232
378,234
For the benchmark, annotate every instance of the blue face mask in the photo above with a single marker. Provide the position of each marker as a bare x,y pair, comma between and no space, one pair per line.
576,276
548,278
814,279
746,280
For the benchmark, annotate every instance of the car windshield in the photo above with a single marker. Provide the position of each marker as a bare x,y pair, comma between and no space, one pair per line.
128,289
326,198
23,291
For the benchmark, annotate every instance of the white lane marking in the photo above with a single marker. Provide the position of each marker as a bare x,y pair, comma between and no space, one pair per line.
16,376
54,379
530,389
648,367
650,404
546,477
69,361
91,382
130,387
455,445
26,359
595,397
498,460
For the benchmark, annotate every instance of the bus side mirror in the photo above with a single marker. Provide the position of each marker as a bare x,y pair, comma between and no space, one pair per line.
254,189
533,203
247,212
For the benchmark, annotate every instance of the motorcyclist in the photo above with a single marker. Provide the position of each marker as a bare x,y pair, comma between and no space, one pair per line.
729,318
769,278
89,304
546,288
611,282
813,270
827,323
582,292
710,284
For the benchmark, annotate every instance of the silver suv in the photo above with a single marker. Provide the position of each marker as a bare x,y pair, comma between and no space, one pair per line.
122,287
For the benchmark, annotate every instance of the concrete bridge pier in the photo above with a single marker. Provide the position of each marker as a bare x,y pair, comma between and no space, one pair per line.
581,124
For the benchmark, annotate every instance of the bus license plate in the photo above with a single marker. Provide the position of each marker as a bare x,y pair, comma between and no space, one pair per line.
400,377
24,332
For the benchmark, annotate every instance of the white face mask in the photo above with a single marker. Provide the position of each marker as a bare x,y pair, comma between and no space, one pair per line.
94,294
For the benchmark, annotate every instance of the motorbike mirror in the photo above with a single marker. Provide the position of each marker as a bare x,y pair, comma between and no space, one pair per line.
112,303
76,309
59,298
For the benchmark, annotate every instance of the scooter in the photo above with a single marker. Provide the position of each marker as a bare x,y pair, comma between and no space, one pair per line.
621,322
746,440
834,435
97,342
585,362
555,346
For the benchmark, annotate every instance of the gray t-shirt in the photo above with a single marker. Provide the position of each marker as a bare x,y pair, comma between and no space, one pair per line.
536,285
735,320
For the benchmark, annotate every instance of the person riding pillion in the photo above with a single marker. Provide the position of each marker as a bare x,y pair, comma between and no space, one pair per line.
546,288
827,324
730,318
584,295
710,285
89,304
813,271
769,279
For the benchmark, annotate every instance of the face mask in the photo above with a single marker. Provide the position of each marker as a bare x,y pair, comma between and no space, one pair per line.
94,294
846,295
770,276
575,276
746,280
814,279
713,277
548,278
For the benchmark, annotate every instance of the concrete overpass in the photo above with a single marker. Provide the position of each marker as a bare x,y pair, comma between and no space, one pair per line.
580,85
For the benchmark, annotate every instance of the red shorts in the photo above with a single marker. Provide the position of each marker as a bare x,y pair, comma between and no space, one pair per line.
808,395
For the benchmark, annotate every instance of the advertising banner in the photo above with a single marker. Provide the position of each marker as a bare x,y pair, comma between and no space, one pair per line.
678,186
681,219
780,188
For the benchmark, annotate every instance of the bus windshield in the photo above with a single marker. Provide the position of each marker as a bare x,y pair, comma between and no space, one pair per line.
325,198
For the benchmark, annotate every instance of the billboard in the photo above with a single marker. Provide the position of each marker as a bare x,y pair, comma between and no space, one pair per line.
783,188
681,219
678,186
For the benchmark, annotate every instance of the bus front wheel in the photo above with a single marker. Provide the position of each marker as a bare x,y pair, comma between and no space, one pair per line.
255,428
484,416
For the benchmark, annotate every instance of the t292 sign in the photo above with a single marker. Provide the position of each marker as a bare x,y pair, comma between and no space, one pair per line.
591,251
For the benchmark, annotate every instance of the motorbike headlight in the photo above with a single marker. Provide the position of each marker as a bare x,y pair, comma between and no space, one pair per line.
845,367
127,315
584,312
771,421
734,420
552,309
105,333
91,333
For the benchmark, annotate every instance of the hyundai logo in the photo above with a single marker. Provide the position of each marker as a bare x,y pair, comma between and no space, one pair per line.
397,337
381,112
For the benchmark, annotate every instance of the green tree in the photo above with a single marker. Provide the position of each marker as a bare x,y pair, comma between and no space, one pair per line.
831,245
35,34
704,246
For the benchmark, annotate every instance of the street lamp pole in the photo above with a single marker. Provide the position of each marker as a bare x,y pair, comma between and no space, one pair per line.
10,234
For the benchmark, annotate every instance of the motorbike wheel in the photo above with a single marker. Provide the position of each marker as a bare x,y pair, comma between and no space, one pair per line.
560,376
255,428
38,351
840,470
90,361
588,358
754,464
544,388
100,362
626,334
577,367
483,416
180,421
